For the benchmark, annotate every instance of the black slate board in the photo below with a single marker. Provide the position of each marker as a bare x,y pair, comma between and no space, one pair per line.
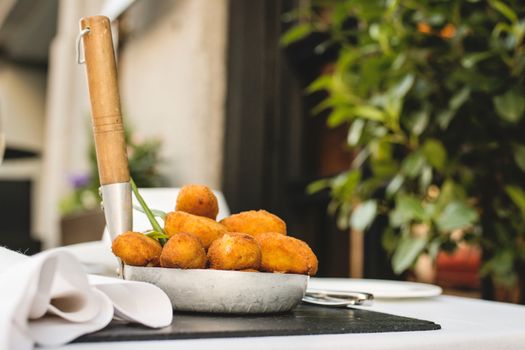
304,320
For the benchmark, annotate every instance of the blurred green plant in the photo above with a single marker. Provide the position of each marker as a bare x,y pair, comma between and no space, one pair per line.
433,96
143,159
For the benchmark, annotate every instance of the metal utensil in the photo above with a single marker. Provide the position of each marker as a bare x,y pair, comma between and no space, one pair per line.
337,298
108,129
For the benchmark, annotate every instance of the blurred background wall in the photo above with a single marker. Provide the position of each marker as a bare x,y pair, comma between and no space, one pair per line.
172,72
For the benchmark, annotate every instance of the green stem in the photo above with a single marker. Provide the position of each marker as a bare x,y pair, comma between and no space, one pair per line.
154,223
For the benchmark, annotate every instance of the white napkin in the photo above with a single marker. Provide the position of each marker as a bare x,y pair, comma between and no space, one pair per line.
48,300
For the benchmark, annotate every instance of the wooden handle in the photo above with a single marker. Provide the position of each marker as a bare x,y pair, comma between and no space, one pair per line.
108,129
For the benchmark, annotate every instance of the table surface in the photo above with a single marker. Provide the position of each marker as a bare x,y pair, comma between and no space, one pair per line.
466,324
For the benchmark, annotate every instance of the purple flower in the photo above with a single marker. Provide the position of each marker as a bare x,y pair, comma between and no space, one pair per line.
78,181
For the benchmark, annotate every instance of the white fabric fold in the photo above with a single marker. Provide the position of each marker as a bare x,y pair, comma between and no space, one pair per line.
48,300
136,302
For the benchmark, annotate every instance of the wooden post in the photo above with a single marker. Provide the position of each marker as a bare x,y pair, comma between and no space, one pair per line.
108,129
357,254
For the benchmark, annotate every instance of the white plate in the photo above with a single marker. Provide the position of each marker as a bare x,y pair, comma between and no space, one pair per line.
381,289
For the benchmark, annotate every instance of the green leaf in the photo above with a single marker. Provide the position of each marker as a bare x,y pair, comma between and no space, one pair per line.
344,185
517,195
360,158
354,134
407,251
380,149
459,98
322,83
425,179
504,10
368,112
399,61
501,28
413,164
394,185
317,186
519,31
445,117
511,105
519,156
363,215
368,187
384,169
456,215
156,235
155,212
332,207
154,223
389,240
417,122
393,106
402,88
435,153
408,208
295,33
159,237
339,116
430,209
324,105
342,215
470,60
437,19
446,195
433,248
374,30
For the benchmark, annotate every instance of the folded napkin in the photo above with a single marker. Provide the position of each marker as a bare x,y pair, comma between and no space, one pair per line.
48,300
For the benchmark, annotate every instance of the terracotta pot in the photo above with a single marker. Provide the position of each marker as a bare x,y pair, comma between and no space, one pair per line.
82,227
459,269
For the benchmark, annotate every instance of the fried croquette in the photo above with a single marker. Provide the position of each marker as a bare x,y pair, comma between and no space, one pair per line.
184,251
137,249
206,229
234,251
254,222
286,254
197,200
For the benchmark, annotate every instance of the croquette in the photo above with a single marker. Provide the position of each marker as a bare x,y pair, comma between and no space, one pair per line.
286,254
184,251
137,249
254,222
234,251
197,200
206,229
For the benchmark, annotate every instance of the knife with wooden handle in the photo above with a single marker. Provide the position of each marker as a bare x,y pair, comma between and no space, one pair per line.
108,129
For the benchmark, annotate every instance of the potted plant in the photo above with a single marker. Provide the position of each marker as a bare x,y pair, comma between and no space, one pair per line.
433,97
82,218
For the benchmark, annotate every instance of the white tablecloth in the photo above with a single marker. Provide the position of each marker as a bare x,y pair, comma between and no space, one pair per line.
466,324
